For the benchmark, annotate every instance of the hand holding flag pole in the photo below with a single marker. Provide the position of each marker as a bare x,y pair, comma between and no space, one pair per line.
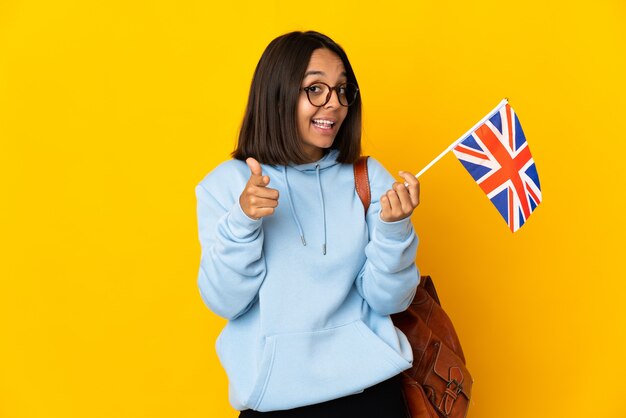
497,156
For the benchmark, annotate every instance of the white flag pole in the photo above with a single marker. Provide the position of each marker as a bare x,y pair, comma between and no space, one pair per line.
455,143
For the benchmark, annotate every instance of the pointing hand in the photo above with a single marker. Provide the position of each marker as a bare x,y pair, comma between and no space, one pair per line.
257,200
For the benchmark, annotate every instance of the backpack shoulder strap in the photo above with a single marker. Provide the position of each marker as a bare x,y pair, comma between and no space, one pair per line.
362,181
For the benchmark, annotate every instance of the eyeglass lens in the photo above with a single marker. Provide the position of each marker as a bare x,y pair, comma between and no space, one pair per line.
319,93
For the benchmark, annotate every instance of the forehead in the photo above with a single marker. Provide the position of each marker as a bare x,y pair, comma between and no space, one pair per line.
325,62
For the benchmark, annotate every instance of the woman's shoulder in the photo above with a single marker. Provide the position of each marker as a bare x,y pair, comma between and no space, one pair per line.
377,172
226,174
225,169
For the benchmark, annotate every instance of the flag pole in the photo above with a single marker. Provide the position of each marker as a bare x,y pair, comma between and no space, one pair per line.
455,143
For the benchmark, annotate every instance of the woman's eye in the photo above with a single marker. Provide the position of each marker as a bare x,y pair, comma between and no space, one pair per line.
315,89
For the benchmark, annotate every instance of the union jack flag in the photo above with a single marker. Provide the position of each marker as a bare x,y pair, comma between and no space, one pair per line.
497,156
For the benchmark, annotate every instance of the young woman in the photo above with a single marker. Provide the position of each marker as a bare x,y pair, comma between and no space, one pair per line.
305,279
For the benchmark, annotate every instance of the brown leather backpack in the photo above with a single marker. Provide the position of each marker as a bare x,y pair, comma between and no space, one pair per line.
438,385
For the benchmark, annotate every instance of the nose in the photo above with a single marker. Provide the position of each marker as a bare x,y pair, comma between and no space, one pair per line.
333,101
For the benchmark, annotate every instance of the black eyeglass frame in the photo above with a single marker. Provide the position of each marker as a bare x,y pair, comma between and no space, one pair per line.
330,93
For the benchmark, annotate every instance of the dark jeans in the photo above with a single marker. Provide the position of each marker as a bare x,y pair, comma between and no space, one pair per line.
384,400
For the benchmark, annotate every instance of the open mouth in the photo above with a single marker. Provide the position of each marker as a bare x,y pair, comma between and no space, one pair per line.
323,123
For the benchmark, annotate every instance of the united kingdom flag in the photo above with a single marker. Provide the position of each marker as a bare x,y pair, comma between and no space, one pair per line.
497,156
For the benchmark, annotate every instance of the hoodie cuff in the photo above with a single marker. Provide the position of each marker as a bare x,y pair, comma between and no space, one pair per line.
240,224
398,230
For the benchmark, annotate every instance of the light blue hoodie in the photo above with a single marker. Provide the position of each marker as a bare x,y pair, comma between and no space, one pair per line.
308,290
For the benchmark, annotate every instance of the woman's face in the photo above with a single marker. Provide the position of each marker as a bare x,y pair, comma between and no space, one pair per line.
318,126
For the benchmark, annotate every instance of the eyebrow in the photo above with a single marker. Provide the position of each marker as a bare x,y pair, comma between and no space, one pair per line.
317,72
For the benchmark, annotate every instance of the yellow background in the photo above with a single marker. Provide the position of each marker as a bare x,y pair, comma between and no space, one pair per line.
112,111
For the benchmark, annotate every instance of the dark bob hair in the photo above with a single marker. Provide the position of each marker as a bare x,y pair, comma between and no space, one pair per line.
269,131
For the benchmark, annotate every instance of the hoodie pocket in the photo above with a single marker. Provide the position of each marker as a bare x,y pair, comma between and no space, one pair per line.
310,367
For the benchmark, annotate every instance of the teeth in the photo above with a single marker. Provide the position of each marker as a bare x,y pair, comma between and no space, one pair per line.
323,122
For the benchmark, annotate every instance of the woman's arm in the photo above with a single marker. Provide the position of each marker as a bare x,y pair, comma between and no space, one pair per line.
389,276
232,266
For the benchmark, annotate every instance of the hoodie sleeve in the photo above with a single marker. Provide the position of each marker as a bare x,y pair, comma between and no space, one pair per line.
232,265
389,277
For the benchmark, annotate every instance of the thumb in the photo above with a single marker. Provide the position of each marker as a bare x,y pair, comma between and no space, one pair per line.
256,173
254,166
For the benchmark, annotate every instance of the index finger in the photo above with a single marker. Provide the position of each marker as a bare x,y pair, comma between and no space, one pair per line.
258,180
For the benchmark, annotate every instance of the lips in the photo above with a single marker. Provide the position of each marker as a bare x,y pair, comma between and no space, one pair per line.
324,123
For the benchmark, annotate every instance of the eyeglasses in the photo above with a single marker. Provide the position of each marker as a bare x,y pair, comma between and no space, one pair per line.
319,93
